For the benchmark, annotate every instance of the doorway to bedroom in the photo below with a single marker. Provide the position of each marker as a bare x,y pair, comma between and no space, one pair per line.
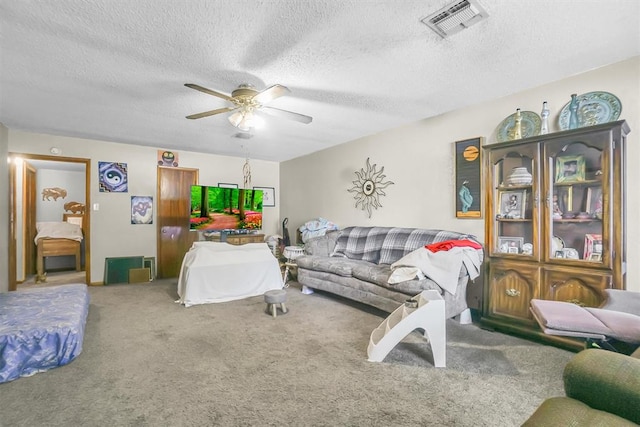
48,190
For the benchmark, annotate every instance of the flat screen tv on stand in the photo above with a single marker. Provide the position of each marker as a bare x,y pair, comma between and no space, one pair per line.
216,209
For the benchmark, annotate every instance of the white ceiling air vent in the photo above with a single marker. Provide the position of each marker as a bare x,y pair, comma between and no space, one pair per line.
455,17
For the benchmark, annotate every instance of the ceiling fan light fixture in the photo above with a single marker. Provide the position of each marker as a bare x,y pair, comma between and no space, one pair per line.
236,118
246,120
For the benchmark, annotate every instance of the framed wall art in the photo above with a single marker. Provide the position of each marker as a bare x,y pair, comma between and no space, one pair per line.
112,177
141,210
268,196
168,158
468,161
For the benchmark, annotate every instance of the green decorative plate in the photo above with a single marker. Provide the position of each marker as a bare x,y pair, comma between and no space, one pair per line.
530,125
594,108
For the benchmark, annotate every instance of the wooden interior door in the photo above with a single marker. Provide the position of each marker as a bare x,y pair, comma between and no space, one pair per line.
29,222
174,210
13,283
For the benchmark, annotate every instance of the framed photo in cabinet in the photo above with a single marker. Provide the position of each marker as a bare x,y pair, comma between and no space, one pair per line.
564,200
510,245
595,257
570,168
468,178
513,204
593,203
592,245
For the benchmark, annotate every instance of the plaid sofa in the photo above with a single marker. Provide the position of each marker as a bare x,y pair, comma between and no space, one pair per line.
356,263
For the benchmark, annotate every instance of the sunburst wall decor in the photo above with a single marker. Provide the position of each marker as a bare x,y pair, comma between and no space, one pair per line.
368,187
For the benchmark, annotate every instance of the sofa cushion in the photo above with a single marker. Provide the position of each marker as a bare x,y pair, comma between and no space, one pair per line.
340,266
373,273
401,241
360,243
321,245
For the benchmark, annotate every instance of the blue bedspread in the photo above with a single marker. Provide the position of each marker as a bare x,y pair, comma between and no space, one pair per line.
41,329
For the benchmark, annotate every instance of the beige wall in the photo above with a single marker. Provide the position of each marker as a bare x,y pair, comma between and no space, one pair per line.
4,210
112,233
418,158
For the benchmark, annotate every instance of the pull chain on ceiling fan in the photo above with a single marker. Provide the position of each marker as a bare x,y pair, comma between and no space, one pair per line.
246,102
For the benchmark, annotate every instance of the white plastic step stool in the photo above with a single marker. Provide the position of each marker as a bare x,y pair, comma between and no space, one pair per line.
427,314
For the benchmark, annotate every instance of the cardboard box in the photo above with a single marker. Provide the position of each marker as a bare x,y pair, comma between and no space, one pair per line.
139,275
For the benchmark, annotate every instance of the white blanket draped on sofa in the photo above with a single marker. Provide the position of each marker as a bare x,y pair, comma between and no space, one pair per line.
218,272
442,267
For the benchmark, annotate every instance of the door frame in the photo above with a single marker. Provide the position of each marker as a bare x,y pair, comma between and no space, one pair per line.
12,209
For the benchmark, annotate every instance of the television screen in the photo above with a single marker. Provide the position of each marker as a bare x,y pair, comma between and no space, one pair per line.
217,208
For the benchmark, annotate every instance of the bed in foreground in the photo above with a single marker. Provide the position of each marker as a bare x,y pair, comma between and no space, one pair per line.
41,329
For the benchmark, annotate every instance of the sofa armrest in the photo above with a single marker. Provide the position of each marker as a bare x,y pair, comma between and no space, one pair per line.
606,381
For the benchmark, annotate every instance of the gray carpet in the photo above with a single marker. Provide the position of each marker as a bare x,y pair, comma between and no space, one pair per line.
150,362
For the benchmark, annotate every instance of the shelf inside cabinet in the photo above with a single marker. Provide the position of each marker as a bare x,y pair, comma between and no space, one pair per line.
575,220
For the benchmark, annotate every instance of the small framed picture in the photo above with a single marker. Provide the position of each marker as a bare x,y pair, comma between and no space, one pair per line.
563,200
593,203
227,185
510,245
513,204
559,254
592,245
595,257
268,196
570,168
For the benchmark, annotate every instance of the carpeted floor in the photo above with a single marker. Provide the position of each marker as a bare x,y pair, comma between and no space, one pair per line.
150,362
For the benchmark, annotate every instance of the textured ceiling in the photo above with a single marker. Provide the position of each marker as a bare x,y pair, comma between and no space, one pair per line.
115,69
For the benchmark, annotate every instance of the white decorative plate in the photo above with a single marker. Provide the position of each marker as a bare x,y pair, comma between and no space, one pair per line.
557,244
530,125
594,108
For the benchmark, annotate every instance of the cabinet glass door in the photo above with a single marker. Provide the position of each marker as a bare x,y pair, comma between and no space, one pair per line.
577,212
514,204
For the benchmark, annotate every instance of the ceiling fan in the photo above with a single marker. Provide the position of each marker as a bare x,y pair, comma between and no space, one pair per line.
246,101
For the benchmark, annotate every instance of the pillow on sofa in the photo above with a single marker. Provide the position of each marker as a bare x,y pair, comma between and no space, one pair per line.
401,241
361,243
321,245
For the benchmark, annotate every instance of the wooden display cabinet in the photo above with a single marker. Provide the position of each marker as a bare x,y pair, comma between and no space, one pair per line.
555,223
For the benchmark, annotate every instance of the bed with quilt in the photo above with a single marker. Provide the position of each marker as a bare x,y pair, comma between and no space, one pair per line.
41,329
57,239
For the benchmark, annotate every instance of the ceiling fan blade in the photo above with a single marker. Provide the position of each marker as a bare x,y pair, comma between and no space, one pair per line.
209,91
271,93
287,114
211,113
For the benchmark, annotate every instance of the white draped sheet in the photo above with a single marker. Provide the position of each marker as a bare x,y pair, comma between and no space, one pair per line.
219,272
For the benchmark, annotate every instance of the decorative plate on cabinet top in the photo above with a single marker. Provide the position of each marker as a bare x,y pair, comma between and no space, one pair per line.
594,108
530,124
